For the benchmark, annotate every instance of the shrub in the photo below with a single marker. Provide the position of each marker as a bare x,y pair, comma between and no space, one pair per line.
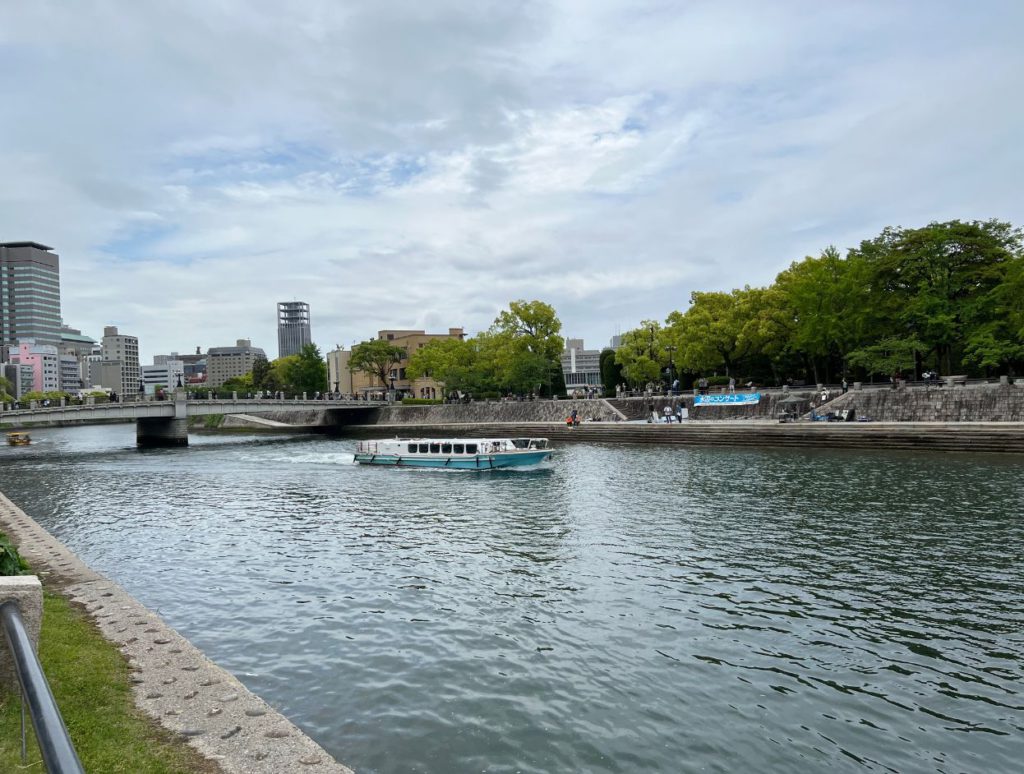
11,562
420,402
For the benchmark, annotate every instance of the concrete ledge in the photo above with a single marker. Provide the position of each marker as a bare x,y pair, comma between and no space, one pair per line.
27,592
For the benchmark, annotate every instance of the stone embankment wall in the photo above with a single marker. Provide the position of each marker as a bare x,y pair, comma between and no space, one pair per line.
498,411
975,403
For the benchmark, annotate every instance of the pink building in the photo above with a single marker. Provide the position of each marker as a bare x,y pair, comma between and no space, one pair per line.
44,361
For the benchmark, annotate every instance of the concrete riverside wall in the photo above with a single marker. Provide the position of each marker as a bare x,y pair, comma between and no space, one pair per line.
172,681
976,403
27,592
498,411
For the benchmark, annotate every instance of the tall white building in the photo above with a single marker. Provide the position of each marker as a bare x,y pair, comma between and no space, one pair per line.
293,327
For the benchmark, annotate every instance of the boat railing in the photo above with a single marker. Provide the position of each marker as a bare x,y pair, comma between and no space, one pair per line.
59,756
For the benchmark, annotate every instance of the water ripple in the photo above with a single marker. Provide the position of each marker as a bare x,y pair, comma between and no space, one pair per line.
639,609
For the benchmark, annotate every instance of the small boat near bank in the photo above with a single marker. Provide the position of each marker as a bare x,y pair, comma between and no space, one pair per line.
19,439
457,453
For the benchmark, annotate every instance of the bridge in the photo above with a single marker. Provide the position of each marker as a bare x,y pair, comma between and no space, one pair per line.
165,423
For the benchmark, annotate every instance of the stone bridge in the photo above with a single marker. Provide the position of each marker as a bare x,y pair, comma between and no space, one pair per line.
165,423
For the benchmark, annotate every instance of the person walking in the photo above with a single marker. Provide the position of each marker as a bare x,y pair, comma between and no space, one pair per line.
732,385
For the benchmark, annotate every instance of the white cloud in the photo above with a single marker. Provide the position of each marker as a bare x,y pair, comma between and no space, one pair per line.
405,164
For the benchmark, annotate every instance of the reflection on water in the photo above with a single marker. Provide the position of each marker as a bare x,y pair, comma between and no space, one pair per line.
618,609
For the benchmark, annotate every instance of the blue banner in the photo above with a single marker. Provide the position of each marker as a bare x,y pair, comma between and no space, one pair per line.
729,399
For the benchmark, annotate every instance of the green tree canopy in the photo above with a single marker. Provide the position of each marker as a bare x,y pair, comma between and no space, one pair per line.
523,346
454,363
376,357
309,374
611,371
642,354
941,283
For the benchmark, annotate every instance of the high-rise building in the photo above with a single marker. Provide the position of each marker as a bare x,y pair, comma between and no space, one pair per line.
293,329
123,352
29,295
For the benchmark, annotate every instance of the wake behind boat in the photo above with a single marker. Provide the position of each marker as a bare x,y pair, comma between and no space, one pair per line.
460,453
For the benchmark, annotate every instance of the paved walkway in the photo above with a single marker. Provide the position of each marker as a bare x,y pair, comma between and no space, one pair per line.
171,679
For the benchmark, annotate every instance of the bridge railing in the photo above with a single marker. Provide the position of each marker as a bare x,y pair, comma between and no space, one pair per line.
59,756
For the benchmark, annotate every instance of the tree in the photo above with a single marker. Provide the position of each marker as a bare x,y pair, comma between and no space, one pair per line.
715,331
261,372
6,389
523,345
640,353
941,282
376,357
827,306
454,363
611,371
892,355
309,373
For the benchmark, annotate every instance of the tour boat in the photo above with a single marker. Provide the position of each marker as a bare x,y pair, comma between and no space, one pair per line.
19,439
460,453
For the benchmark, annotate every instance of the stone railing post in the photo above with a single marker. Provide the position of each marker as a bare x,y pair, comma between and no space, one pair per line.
27,593
1004,381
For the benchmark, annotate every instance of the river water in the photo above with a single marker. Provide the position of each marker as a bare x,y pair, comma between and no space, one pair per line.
619,609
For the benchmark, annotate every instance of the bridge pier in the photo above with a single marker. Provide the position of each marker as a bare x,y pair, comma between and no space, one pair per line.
164,431
161,431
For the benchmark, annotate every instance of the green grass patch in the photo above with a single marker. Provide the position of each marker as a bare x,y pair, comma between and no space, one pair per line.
212,421
89,679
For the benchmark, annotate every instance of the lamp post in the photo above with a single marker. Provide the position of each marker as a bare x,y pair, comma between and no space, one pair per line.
670,348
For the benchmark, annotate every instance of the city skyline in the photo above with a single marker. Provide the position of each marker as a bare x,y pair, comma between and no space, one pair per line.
420,168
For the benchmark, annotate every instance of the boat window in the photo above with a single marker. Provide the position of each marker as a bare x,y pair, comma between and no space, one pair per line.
459,448
470,448
412,448
423,448
435,448
446,448
520,443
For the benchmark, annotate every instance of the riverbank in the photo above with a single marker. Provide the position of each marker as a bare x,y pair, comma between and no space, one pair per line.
172,681
998,438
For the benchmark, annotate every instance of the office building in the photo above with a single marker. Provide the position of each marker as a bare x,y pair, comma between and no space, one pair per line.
29,295
398,380
44,361
293,328
169,374
223,363
119,369
580,367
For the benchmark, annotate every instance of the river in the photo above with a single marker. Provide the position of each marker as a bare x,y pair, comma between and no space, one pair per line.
619,609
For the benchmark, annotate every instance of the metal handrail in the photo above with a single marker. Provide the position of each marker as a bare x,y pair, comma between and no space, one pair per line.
58,753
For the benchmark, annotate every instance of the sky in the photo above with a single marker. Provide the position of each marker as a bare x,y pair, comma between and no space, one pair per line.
410,164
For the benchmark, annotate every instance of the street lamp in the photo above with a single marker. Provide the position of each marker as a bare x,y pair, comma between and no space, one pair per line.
670,348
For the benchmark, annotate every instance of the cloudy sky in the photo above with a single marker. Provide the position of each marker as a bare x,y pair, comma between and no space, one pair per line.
412,164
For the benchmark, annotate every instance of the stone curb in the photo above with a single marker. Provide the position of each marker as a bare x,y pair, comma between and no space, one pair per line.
172,681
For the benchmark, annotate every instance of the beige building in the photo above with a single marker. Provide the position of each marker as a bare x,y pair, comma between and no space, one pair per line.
119,367
223,363
348,382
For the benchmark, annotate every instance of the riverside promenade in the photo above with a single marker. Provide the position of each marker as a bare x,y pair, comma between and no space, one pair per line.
172,681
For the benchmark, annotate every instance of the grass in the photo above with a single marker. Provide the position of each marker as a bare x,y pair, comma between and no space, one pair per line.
89,679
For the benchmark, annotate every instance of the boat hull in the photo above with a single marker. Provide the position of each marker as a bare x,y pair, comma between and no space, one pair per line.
461,462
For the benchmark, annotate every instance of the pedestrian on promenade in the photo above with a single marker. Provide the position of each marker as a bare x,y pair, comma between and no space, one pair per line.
844,385
732,385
